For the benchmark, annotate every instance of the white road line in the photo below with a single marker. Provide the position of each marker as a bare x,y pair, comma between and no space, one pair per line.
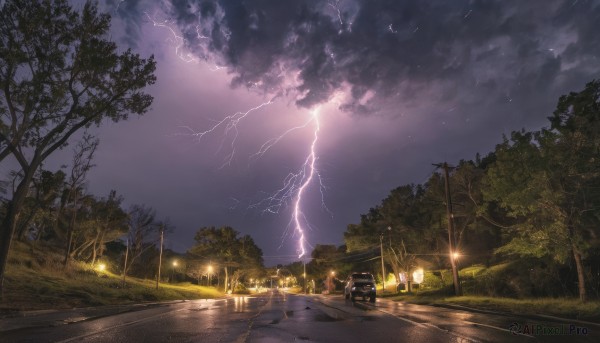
402,318
499,328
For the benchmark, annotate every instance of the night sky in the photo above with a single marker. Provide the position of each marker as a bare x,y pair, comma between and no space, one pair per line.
395,86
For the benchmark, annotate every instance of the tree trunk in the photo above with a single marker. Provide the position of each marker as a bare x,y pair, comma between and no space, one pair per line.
94,249
125,264
580,274
162,233
226,279
9,224
77,251
70,230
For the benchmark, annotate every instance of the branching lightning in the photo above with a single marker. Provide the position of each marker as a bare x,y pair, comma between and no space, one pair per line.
295,185
230,123
311,163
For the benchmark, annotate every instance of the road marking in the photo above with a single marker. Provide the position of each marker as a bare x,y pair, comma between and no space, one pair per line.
244,337
468,339
422,325
499,328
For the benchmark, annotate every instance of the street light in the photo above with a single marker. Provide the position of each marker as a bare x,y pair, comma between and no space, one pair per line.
209,271
331,284
382,266
173,270
101,267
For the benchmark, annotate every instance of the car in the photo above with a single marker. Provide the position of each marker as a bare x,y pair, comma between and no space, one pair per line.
360,285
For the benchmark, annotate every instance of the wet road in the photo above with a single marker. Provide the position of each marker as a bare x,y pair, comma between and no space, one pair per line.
280,317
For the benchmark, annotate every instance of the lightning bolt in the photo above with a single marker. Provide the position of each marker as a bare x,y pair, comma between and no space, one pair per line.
309,163
230,123
180,42
295,185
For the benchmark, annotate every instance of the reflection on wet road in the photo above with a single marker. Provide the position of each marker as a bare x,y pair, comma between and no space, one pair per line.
281,317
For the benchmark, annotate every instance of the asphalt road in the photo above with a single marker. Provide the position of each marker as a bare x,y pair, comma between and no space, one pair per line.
281,317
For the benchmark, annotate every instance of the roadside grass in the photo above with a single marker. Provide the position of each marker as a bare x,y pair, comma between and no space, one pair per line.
36,279
479,281
561,307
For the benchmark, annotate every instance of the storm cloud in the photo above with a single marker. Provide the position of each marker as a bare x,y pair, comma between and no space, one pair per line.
382,52
400,85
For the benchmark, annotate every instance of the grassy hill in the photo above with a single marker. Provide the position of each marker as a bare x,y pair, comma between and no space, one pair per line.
36,279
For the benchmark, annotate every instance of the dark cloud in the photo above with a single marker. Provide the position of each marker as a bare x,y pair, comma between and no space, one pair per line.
427,82
390,48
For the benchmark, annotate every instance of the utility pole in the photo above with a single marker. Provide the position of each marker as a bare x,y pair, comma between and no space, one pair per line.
162,232
304,263
451,243
125,264
382,266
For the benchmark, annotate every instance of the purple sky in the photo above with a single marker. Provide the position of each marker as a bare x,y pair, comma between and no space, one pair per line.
398,85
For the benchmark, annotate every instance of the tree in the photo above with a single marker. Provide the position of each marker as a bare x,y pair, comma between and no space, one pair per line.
99,221
142,233
573,147
39,212
548,180
58,74
403,226
82,163
230,251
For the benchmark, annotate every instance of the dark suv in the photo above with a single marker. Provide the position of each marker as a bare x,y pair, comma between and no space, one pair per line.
360,285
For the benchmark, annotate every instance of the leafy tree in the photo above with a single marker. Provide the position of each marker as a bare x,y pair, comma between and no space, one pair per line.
58,74
224,247
98,221
403,226
39,211
476,226
325,259
549,180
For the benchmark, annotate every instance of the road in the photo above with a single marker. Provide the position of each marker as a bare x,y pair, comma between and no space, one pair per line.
281,317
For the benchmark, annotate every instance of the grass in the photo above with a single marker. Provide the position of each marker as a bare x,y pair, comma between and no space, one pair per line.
36,279
570,308
561,307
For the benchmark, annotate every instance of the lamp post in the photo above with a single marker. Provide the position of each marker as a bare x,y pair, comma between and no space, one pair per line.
331,285
173,270
304,277
382,266
209,271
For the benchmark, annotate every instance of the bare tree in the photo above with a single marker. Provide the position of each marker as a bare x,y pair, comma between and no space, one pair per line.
82,163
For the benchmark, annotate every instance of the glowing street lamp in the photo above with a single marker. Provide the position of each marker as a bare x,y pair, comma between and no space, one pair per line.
455,255
209,270
173,270
331,286
101,267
